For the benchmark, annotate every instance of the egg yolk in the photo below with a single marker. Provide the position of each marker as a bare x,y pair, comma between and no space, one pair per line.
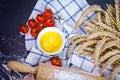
51,41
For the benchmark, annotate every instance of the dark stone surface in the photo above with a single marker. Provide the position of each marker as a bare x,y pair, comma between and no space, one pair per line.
102,3
13,13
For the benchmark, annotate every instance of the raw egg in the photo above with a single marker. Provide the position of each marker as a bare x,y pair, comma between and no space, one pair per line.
51,40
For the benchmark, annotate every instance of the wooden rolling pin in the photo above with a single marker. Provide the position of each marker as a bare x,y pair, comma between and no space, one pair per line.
49,72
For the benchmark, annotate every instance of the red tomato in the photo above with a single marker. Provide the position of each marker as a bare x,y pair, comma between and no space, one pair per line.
48,13
40,27
50,22
32,23
40,18
34,32
24,29
56,61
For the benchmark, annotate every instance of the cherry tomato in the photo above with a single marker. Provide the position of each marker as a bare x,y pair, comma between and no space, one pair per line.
34,32
50,22
24,29
56,61
40,26
40,18
48,13
32,23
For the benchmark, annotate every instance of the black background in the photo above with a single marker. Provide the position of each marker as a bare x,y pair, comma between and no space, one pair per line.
13,13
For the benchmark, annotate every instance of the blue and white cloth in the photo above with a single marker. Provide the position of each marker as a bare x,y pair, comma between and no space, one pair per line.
70,11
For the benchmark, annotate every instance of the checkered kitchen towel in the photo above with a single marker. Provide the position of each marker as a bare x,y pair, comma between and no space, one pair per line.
70,11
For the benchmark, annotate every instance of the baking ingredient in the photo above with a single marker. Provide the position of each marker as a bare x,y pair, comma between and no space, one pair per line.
40,18
29,77
102,42
73,74
98,49
50,22
110,44
48,13
32,23
106,27
24,29
86,45
76,42
110,62
77,39
34,32
97,35
65,75
108,55
90,9
73,38
51,41
115,71
56,61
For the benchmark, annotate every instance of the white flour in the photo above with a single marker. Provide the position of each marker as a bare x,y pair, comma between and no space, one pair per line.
65,75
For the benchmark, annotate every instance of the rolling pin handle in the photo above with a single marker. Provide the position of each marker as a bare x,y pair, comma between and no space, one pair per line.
20,67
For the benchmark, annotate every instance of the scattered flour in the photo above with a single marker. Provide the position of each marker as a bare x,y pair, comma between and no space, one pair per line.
65,75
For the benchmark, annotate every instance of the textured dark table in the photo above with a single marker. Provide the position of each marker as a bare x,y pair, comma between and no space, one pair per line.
13,13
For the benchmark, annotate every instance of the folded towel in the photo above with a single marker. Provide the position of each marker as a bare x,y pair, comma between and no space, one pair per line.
69,10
